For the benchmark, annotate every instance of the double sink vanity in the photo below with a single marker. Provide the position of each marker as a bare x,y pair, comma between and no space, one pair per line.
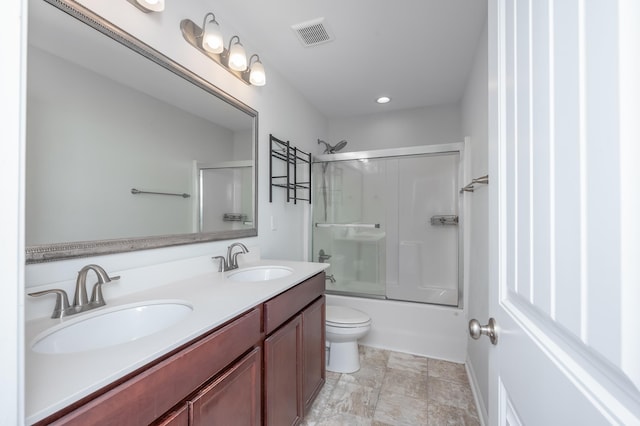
235,347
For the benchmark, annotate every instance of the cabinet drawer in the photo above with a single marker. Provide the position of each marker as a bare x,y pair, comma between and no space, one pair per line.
145,397
281,308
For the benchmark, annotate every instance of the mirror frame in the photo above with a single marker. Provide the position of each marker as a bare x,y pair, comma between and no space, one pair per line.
68,250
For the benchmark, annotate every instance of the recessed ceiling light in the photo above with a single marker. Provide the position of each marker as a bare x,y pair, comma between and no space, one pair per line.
383,99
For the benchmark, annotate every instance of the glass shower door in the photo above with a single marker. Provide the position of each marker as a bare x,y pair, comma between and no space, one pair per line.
427,238
389,226
349,225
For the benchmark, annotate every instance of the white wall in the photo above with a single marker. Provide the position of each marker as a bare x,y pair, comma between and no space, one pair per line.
475,124
410,127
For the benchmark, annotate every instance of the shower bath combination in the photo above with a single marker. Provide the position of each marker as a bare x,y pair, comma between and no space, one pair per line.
389,221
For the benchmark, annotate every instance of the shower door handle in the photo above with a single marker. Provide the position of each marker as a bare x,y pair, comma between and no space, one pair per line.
476,330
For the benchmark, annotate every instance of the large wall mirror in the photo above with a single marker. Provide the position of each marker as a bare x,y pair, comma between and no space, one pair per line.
126,149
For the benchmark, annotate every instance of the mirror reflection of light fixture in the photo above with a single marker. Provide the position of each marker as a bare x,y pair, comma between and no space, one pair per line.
255,72
148,5
233,58
212,40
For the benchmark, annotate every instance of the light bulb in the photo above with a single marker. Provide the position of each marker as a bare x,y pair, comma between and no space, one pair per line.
237,57
212,37
257,76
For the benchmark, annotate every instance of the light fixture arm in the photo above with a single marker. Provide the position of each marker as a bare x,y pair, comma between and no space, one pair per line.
204,22
231,42
255,55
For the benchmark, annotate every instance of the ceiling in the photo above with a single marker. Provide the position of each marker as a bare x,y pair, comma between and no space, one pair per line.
418,52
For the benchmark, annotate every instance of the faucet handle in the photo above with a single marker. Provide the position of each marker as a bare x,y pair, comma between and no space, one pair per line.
223,263
62,308
97,299
234,258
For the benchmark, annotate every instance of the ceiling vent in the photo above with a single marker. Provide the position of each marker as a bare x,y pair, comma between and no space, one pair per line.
312,33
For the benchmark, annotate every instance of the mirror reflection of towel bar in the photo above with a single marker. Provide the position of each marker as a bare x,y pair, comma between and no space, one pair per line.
347,225
137,191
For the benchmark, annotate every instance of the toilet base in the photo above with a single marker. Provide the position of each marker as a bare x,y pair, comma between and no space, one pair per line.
343,357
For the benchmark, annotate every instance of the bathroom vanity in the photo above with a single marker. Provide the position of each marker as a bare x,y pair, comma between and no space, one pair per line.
263,364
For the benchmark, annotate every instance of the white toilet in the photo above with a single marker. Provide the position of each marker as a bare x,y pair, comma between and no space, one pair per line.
344,327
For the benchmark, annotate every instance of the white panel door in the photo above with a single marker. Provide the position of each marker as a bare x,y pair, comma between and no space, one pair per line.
565,206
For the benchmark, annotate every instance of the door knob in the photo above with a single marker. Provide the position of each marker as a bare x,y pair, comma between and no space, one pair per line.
476,330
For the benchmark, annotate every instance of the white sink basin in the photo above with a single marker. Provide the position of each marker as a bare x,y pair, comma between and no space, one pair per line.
111,326
260,273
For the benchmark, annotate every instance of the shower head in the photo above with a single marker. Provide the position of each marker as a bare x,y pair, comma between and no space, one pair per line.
340,145
328,149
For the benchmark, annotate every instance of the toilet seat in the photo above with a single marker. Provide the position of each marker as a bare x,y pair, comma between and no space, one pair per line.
343,317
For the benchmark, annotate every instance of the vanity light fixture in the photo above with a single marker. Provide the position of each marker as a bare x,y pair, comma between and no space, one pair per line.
383,100
148,5
208,40
255,72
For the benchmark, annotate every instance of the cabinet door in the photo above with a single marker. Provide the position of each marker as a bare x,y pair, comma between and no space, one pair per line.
282,375
313,351
233,398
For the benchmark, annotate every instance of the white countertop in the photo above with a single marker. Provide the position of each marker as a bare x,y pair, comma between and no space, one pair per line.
55,381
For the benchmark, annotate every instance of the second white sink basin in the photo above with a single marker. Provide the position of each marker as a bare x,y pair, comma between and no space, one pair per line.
111,326
260,273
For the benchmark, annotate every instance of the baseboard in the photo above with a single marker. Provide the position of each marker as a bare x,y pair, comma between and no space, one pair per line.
477,395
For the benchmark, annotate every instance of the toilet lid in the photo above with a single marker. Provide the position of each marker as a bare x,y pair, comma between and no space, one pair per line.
340,315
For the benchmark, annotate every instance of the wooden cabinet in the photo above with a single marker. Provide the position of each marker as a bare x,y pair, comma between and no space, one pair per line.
313,351
232,399
294,367
282,376
264,367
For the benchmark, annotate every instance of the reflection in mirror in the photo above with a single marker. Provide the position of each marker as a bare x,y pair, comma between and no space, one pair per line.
225,203
102,119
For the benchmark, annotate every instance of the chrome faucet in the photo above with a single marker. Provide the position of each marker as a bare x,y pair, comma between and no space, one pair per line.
231,261
81,302
232,258
322,257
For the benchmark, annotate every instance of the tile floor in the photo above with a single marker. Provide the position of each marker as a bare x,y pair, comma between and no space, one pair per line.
396,389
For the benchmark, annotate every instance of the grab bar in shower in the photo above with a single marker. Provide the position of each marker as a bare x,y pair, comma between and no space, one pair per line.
137,191
470,188
347,225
